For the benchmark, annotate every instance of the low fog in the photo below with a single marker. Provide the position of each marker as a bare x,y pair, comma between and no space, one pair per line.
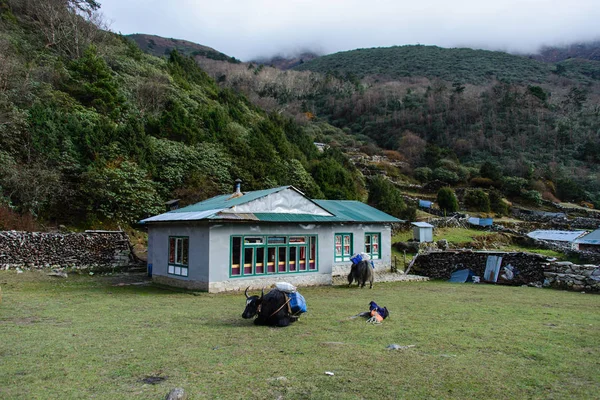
261,28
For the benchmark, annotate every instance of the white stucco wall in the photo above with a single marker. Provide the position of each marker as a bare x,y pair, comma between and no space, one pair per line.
210,251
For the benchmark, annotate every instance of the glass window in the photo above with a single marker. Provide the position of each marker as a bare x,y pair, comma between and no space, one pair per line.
276,240
178,256
259,263
343,246
236,255
282,259
253,240
292,263
257,255
372,241
248,260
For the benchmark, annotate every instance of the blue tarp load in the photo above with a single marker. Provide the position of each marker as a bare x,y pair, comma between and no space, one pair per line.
425,203
297,303
462,276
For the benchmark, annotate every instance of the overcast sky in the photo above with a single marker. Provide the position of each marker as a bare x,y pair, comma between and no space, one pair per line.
248,29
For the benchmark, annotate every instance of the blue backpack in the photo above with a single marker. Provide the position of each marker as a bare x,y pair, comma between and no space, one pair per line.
383,311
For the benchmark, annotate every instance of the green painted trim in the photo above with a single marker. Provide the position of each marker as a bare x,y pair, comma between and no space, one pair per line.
265,245
342,257
378,247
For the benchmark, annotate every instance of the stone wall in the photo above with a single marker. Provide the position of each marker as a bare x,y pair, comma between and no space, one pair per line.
95,250
534,270
441,264
566,275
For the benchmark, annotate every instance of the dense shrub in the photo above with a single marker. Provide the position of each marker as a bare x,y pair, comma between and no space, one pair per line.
482,182
497,203
513,185
477,200
532,196
444,175
384,196
490,171
422,174
446,200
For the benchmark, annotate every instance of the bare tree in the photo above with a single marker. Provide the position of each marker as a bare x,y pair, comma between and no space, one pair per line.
69,26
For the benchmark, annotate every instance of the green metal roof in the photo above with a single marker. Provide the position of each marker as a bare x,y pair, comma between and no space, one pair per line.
225,201
355,211
342,210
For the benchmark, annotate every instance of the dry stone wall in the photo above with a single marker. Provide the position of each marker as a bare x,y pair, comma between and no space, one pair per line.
566,275
533,269
89,250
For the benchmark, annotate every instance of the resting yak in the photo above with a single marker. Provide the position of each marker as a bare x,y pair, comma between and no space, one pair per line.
272,309
361,272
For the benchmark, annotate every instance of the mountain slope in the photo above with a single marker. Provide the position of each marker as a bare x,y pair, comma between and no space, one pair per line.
160,47
462,65
95,132
287,62
553,54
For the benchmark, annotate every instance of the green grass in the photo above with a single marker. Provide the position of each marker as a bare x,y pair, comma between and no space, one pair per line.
85,338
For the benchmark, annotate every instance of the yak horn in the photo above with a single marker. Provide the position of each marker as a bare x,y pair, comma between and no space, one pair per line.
262,293
246,291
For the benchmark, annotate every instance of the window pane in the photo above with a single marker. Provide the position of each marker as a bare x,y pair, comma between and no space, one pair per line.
313,253
171,250
178,251
292,263
248,257
367,239
302,259
236,249
253,240
184,271
260,260
297,239
281,259
171,269
276,240
185,250
272,260
177,270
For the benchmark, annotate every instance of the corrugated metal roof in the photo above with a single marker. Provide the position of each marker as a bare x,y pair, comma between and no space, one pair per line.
342,210
176,215
226,201
422,224
355,211
591,238
557,236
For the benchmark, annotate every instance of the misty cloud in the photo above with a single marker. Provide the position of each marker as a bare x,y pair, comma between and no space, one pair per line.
248,29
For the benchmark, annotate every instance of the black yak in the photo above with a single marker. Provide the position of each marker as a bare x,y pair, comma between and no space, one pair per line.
361,272
271,309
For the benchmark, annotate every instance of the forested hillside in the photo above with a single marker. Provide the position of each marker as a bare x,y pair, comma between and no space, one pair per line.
94,132
161,47
448,112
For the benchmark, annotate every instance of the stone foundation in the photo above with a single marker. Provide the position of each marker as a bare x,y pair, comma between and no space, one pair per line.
266,282
344,270
180,283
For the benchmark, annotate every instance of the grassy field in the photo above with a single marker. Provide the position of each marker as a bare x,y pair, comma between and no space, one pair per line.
84,337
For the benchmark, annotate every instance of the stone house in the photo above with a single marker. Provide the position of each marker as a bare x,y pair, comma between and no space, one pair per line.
589,242
233,241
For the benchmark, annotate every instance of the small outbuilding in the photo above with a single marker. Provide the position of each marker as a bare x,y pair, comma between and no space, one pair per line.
589,242
422,232
233,241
